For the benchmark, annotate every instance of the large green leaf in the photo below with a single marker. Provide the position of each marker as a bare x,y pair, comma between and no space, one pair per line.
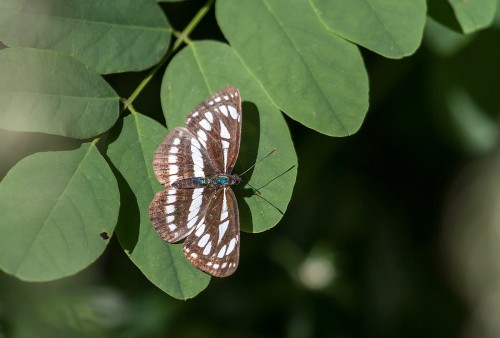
307,71
162,263
49,92
110,36
55,207
391,28
473,15
196,73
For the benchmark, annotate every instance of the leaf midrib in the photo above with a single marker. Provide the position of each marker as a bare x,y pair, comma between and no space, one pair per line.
56,204
332,109
93,21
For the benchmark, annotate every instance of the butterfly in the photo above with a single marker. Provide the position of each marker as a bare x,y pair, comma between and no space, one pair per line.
194,163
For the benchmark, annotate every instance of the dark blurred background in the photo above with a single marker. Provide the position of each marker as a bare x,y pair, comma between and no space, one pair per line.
391,232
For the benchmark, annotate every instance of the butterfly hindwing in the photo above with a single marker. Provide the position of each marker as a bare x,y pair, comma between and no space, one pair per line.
214,245
216,123
176,212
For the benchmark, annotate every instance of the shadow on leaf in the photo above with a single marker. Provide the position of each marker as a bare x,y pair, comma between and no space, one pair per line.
127,229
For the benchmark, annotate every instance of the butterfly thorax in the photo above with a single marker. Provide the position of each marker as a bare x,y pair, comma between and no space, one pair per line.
216,182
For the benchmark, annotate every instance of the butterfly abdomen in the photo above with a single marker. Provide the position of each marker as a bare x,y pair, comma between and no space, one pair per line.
203,182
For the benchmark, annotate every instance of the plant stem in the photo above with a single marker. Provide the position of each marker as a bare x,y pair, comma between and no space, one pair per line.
181,37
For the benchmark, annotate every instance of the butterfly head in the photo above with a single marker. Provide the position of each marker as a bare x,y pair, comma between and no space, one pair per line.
234,179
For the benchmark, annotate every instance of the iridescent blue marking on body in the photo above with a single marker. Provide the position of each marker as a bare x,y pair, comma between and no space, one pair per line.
201,182
222,180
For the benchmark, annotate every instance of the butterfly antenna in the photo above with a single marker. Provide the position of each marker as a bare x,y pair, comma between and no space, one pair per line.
270,153
257,191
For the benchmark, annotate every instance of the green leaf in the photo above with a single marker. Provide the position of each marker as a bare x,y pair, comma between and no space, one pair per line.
391,28
196,73
54,208
444,41
307,71
53,93
110,36
162,263
473,15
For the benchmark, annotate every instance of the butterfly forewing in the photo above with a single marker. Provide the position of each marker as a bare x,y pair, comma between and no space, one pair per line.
194,164
214,246
216,122
181,156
